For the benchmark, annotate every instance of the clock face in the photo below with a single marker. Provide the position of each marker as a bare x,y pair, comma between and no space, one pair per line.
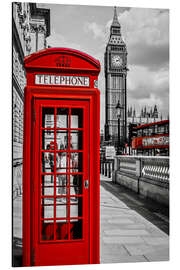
116,61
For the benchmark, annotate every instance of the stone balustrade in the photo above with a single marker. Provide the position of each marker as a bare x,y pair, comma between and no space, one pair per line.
156,168
148,176
127,165
106,167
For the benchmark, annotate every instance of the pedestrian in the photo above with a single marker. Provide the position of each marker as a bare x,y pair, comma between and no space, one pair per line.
51,162
46,154
61,168
75,177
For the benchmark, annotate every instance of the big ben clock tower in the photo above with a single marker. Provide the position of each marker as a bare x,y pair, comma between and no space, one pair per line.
115,60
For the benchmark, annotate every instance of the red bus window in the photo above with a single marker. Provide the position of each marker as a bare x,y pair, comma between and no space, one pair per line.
156,129
161,129
150,131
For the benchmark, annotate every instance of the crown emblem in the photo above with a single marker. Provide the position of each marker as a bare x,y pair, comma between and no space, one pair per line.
63,61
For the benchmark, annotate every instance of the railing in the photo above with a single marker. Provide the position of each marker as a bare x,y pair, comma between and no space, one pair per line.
155,168
106,167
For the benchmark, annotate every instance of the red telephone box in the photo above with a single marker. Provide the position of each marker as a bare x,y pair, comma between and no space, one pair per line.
61,159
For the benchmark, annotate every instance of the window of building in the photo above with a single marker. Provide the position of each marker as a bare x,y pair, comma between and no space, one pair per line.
166,129
160,129
151,131
139,133
156,129
145,132
114,82
117,82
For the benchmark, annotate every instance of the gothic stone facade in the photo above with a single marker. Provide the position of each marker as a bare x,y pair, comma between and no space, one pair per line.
30,27
115,83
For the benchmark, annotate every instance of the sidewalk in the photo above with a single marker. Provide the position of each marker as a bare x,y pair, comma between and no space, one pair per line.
126,236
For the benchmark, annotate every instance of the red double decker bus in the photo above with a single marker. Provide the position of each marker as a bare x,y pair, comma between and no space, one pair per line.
151,139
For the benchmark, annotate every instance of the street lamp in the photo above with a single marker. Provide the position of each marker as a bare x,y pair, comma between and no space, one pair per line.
118,108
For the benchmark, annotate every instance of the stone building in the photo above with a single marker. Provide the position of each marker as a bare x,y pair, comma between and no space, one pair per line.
30,28
144,117
115,61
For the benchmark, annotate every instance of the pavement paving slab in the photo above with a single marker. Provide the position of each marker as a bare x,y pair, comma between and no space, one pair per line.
161,255
126,235
124,259
122,240
139,249
114,250
121,221
156,241
123,232
136,226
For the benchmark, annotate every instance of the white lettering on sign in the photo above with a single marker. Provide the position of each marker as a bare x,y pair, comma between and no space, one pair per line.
162,140
61,80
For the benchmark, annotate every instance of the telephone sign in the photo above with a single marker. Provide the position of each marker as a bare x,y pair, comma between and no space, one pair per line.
61,159
46,79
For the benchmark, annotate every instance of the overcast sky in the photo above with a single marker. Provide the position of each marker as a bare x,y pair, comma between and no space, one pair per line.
146,33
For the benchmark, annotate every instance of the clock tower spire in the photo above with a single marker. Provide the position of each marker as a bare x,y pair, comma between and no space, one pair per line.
115,61
115,19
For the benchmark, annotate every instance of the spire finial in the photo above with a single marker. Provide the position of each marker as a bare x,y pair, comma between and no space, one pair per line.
115,18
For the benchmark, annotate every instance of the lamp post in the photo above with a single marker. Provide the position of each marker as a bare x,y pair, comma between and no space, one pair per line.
118,108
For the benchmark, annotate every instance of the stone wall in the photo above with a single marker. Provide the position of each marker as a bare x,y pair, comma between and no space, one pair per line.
129,181
146,176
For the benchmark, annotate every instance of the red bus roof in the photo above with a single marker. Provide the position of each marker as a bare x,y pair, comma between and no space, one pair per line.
152,124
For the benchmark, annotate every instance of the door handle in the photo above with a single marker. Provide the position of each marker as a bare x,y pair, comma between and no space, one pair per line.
86,183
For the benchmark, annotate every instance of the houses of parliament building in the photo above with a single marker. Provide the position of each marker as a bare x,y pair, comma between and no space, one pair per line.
144,117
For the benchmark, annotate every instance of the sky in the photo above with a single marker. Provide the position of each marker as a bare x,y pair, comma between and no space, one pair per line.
146,34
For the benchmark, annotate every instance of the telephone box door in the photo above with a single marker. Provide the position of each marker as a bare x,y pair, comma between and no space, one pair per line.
60,188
